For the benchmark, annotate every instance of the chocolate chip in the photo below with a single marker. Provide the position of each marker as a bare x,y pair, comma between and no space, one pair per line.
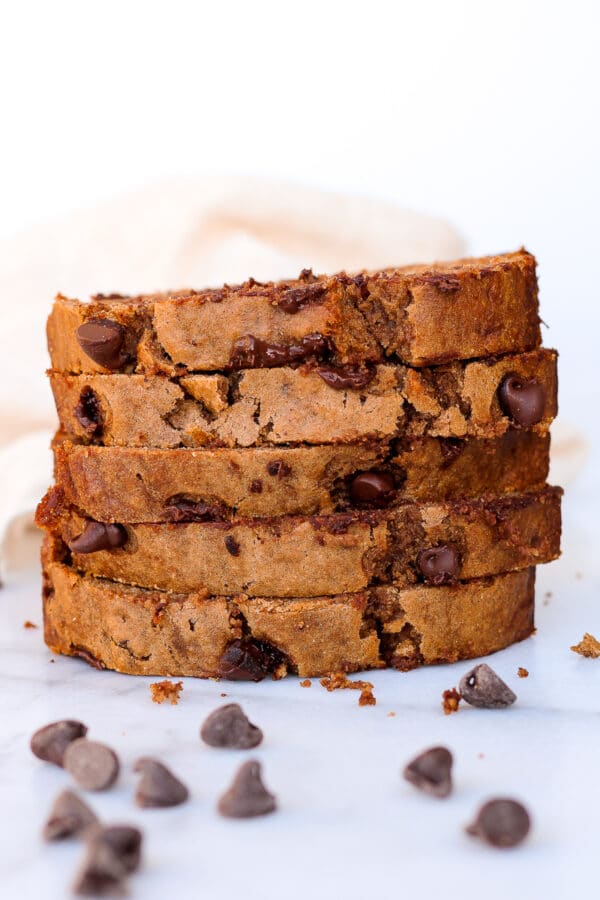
184,509
278,469
347,377
450,448
247,659
232,546
256,486
98,536
431,772
158,787
247,796
88,412
125,841
483,688
523,400
250,352
438,565
372,487
293,300
501,823
102,340
228,726
50,742
113,853
94,766
69,817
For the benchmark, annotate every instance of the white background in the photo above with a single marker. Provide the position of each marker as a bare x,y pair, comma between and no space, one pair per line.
485,113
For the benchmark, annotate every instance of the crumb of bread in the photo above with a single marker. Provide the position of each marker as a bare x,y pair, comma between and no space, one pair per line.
391,715
450,700
588,646
29,624
166,690
522,673
306,683
340,681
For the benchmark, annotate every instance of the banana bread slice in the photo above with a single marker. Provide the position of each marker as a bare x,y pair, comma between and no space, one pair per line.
421,315
291,406
312,556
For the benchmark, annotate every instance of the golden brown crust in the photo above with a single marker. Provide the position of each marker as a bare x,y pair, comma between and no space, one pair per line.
422,315
291,406
322,555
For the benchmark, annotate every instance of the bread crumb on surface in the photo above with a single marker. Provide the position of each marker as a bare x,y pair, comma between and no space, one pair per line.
166,690
306,683
223,695
450,700
28,624
588,646
340,681
391,715
522,673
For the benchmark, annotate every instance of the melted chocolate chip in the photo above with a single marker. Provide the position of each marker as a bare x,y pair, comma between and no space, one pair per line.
347,377
50,742
232,546
250,352
278,469
256,486
431,772
88,412
438,565
306,275
372,487
99,536
501,823
247,659
483,688
158,787
184,509
294,299
94,766
69,817
102,340
522,400
247,796
450,448
229,727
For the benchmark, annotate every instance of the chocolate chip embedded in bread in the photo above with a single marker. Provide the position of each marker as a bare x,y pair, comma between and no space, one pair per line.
99,536
344,378
278,469
522,400
94,766
102,340
438,565
88,412
232,546
256,486
293,300
228,726
50,742
158,787
431,772
372,487
247,797
501,823
247,659
69,817
250,352
483,688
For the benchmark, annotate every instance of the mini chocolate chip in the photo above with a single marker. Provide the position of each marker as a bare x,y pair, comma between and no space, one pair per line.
278,469
347,377
98,536
102,340
247,659
50,742
231,545
94,766
501,822
438,565
228,726
523,400
69,817
431,772
256,486
247,796
483,688
88,412
158,786
372,487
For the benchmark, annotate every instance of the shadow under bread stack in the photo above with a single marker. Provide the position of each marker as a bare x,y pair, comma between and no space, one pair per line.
328,474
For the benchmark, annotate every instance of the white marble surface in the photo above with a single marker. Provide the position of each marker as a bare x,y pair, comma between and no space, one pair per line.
348,826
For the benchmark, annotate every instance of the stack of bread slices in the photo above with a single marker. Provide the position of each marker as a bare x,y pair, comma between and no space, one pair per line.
328,474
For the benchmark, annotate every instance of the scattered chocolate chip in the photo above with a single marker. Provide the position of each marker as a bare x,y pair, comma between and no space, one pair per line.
501,823
94,766
372,487
292,300
158,787
431,772
99,536
438,565
247,659
523,400
250,352
247,796
102,340
184,509
50,742
256,486
232,546
278,469
347,377
228,726
481,687
125,841
88,412
113,853
69,817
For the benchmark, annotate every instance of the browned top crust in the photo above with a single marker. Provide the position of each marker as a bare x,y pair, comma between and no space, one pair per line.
422,315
